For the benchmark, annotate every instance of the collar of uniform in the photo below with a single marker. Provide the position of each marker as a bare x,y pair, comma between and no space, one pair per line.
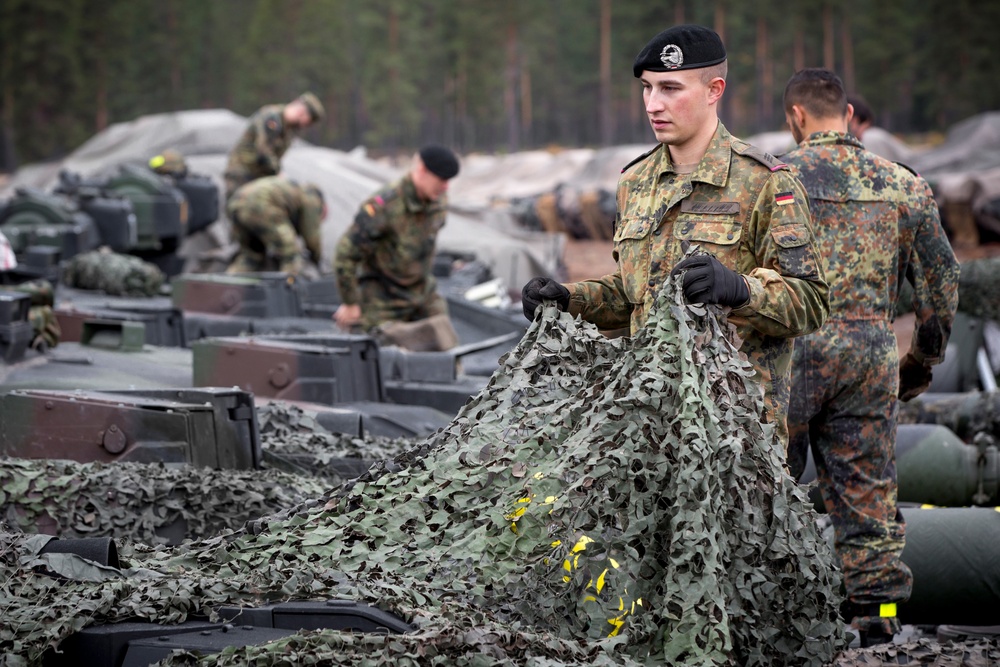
827,137
714,165
413,202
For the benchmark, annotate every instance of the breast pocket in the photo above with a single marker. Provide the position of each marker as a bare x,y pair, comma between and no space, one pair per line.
795,253
632,247
717,235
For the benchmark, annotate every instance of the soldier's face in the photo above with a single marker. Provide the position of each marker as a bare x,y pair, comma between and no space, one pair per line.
297,114
429,186
678,104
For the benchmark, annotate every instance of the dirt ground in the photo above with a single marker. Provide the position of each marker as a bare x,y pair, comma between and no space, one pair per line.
592,259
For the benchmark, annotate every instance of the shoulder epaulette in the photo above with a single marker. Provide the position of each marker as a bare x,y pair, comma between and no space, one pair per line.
640,158
762,156
908,168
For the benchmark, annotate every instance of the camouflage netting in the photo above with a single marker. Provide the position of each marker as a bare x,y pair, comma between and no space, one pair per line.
294,440
925,653
600,502
142,502
154,503
113,273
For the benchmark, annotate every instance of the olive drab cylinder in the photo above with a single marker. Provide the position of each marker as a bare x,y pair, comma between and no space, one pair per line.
956,566
934,466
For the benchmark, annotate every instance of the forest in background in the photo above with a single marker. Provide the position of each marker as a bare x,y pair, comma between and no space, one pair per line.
480,75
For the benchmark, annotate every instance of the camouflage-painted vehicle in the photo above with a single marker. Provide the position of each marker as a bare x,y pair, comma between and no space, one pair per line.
134,211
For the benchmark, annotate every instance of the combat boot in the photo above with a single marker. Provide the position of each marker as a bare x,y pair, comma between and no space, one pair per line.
875,623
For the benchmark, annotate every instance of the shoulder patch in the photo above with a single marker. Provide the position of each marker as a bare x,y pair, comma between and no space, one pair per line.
908,168
762,156
640,158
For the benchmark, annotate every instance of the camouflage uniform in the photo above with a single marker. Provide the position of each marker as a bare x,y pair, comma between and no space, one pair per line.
877,225
268,216
743,206
384,260
40,314
259,150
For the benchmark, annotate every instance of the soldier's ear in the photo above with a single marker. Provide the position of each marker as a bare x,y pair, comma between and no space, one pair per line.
715,89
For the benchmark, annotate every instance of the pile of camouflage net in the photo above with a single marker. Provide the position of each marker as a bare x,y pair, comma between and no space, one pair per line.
148,503
600,502
152,503
292,439
113,273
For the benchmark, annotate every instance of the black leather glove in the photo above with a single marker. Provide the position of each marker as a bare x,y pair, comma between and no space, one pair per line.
914,377
708,281
537,290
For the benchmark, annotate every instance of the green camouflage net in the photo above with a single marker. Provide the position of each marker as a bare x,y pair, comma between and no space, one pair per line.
601,501
148,503
925,653
158,504
293,440
113,273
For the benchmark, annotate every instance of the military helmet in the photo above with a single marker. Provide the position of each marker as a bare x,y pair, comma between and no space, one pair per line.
316,110
169,163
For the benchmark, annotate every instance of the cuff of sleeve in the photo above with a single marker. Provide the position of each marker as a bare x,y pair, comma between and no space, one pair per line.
756,297
348,296
923,359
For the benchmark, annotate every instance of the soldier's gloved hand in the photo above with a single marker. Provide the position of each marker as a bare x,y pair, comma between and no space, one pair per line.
914,377
708,281
537,290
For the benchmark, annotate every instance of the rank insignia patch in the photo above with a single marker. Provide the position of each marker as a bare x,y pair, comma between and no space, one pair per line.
783,198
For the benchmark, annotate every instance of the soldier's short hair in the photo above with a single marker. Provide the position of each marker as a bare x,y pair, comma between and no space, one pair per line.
819,91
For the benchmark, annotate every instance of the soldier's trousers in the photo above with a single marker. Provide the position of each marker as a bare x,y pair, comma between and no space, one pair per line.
379,304
265,245
845,379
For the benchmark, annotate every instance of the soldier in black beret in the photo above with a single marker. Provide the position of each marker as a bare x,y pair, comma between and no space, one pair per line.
384,260
700,186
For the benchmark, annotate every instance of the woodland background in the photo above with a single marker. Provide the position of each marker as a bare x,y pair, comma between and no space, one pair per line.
480,75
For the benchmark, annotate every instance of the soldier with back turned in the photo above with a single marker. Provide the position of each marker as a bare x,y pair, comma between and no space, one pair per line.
878,226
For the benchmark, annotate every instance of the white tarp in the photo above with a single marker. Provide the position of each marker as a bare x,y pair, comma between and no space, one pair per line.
347,179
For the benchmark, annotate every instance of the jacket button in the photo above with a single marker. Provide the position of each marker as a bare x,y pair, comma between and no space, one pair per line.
730,236
656,233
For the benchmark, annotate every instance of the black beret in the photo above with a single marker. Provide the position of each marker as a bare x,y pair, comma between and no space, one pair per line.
440,161
680,47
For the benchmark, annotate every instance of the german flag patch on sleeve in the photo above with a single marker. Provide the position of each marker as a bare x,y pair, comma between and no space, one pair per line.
783,198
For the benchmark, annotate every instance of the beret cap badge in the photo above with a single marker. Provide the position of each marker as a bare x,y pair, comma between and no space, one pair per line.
681,47
671,56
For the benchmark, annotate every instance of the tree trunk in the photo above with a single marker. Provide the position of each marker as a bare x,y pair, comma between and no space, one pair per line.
847,47
828,38
719,24
510,89
175,57
604,103
764,90
799,47
526,117
393,19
